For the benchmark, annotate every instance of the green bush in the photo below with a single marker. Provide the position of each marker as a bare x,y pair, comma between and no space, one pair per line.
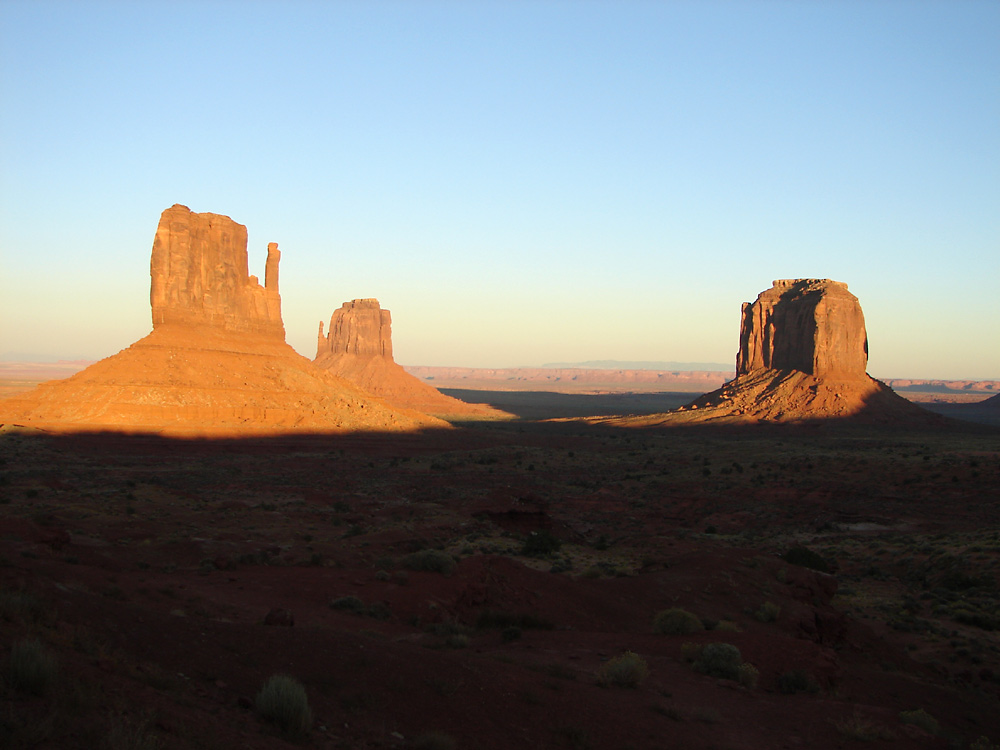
921,719
719,660
433,560
349,603
747,675
283,702
627,670
540,544
806,558
797,681
676,621
768,612
32,668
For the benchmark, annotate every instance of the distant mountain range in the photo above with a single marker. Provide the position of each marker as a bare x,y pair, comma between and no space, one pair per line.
614,364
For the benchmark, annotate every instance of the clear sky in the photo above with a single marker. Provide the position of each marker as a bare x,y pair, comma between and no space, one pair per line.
519,182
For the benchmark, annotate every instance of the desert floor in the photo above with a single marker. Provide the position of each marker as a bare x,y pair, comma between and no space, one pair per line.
473,587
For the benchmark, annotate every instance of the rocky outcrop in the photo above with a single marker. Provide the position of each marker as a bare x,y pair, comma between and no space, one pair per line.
216,362
360,328
802,357
199,276
358,348
813,326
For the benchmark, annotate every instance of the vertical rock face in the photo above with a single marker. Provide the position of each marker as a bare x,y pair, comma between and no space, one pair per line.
813,326
199,276
360,327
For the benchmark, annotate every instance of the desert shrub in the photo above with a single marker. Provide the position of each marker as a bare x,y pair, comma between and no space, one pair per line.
719,660
806,558
433,560
768,612
459,640
349,603
511,633
434,741
690,652
32,668
283,702
129,734
676,621
747,675
921,719
982,743
627,670
859,728
540,544
727,626
797,681
490,618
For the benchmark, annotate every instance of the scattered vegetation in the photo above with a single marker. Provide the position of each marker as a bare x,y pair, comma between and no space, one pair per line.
676,621
797,681
32,668
857,727
719,660
283,702
432,560
489,619
540,544
768,612
806,558
921,719
627,670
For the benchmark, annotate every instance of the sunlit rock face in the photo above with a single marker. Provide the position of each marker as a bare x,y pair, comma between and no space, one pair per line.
358,348
199,276
802,358
813,326
216,362
360,328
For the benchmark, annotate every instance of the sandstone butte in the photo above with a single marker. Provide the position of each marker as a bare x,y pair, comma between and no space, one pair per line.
358,348
216,362
803,356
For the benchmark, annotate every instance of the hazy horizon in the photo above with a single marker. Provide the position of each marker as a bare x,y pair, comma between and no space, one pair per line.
516,182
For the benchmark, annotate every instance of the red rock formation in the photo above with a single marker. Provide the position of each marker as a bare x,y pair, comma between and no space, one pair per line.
216,361
803,353
358,348
814,326
199,276
360,327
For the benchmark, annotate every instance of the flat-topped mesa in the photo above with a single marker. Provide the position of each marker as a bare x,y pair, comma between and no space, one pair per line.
199,276
813,326
360,327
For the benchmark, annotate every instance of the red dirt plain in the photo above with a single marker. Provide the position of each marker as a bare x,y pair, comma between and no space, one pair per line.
148,565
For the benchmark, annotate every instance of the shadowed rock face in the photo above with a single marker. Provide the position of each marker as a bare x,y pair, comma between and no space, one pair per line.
360,327
199,276
813,326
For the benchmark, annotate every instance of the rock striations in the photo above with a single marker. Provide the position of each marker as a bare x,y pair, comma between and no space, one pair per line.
803,355
216,362
358,348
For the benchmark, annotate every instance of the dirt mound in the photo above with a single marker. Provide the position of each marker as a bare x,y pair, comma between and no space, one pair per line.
358,348
803,354
216,361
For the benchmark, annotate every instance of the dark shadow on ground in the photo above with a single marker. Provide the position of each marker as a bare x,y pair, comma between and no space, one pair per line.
537,405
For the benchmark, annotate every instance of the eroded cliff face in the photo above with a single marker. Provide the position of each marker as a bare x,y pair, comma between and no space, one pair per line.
199,276
813,326
216,362
360,328
358,348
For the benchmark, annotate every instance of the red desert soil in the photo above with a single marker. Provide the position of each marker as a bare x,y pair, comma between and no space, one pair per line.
150,567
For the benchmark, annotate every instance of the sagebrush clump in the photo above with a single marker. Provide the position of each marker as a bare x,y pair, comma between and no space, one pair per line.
676,621
283,702
627,670
32,668
719,660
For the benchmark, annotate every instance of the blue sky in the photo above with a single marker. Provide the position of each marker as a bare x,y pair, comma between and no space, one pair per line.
518,182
